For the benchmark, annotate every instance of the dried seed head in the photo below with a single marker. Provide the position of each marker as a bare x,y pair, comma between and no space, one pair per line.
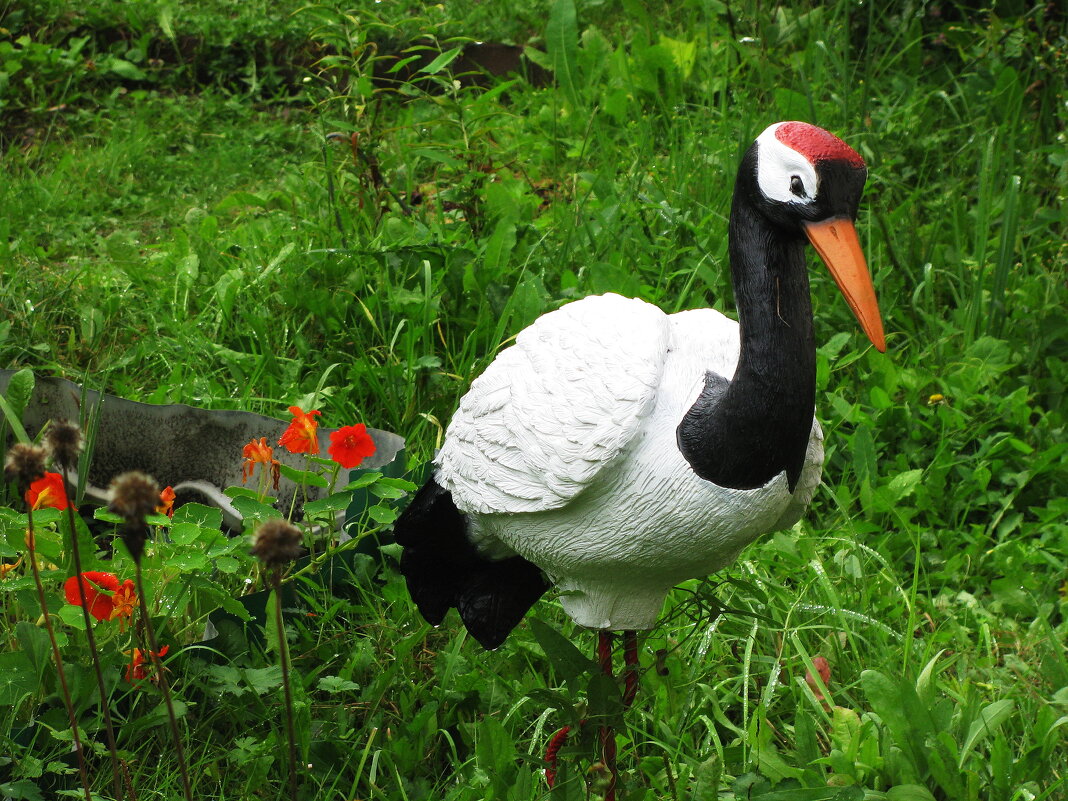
133,496
277,542
135,534
24,463
65,442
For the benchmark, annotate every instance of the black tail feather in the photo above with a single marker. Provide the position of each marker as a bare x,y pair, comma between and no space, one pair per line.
443,569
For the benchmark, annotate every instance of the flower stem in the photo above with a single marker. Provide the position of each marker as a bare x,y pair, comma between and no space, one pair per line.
315,561
117,766
31,546
153,650
283,656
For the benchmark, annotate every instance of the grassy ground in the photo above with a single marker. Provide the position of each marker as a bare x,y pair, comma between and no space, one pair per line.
235,210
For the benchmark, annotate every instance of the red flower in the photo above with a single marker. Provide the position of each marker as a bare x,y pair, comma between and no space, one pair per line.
350,445
300,437
123,602
260,453
98,589
47,491
136,670
166,502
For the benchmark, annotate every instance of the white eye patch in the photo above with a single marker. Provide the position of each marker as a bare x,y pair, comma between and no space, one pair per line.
782,171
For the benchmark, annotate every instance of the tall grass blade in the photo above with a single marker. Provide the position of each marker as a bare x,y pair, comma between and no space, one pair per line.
1006,258
561,40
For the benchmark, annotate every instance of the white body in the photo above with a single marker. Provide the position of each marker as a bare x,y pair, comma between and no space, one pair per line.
564,452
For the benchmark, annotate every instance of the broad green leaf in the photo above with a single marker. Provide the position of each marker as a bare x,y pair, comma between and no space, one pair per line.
188,561
101,513
706,779
240,200
246,492
331,503
251,509
199,514
500,245
864,462
19,391
398,64
990,719
909,792
46,516
305,477
399,483
227,564
188,269
494,748
336,684
72,616
126,69
904,484
21,790
185,533
362,481
382,515
33,642
684,54
382,490
442,61
887,698
565,658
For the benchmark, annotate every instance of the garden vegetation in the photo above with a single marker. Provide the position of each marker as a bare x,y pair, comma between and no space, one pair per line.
348,209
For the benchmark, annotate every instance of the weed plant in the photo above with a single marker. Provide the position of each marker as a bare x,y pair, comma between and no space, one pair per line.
203,233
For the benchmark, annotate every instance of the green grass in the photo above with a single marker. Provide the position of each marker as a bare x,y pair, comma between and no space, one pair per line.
183,238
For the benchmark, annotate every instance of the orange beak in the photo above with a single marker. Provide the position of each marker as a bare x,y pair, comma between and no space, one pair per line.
836,242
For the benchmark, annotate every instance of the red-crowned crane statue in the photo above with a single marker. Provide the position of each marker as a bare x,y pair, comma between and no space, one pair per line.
614,450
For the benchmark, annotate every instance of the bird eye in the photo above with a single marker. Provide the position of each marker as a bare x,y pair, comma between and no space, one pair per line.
796,186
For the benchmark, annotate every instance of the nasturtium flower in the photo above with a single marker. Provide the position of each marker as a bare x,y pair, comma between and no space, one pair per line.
98,592
47,491
166,502
350,445
259,453
136,669
300,437
123,602
5,569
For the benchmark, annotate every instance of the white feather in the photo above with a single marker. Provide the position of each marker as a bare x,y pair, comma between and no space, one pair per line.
564,452
777,164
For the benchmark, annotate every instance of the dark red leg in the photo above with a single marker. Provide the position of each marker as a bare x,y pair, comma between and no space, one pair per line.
608,734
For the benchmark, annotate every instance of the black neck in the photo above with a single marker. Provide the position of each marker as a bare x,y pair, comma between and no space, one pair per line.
744,434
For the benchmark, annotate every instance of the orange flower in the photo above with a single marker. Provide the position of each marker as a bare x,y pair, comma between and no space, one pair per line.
300,437
5,569
123,602
259,453
350,445
166,502
98,589
47,491
136,670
